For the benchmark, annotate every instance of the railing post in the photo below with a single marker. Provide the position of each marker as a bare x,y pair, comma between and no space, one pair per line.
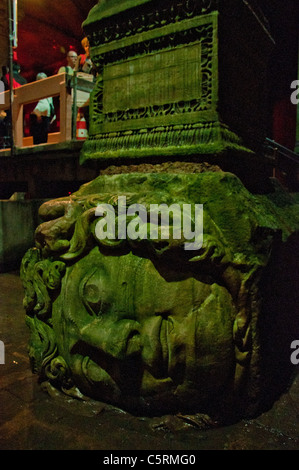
65,112
17,119
74,106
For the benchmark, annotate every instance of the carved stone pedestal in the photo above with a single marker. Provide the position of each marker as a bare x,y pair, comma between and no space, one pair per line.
177,79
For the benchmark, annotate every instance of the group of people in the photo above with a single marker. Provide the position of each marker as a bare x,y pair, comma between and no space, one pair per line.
18,79
79,63
44,113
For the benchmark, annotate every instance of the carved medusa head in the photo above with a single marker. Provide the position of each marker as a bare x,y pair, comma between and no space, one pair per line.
141,323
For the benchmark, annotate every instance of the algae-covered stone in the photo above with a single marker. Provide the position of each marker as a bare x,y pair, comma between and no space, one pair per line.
144,323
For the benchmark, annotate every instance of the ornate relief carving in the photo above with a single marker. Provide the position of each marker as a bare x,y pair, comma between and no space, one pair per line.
150,18
173,76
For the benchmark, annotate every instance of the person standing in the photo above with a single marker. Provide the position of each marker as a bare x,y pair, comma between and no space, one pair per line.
17,74
85,63
41,117
86,66
72,59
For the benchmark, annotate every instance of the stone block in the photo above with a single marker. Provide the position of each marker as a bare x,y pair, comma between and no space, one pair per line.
178,79
18,221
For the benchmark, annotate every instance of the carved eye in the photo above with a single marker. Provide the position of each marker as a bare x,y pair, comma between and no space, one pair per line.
92,299
93,295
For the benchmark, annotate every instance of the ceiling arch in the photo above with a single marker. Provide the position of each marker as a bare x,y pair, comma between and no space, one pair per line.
47,29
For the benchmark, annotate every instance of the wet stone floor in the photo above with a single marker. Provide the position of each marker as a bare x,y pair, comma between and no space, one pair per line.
32,418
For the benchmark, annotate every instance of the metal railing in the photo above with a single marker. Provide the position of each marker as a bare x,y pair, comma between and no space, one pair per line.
284,163
57,85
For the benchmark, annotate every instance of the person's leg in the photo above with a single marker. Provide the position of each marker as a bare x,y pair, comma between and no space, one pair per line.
44,129
34,131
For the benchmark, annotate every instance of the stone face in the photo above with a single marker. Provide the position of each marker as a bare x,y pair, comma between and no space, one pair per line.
144,323
181,79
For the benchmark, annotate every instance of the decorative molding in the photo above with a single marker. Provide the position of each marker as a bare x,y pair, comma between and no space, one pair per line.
136,21
142,141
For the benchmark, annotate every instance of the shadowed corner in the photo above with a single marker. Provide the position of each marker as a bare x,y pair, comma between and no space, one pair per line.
279,320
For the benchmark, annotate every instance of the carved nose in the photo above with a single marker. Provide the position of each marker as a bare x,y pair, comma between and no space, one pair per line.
120,339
